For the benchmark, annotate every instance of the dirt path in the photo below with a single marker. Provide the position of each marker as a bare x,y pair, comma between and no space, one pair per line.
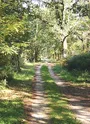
78,98
39,114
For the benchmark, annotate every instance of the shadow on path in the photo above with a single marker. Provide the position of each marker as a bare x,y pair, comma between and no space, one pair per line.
38,111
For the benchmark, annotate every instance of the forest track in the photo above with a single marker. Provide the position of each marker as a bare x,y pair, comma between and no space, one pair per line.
78,98
39,110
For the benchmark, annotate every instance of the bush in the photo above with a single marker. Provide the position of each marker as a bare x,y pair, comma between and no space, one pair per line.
2,73
63,62
6,72
80,62
9,72
3,83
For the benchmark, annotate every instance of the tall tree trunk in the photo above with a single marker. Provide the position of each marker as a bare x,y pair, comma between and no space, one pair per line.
18,63
65,48
18,60
55,56
36,55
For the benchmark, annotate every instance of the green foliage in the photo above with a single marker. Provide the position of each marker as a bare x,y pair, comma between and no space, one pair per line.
82,8
80,62
11,98
3,84
35,32
11,112
74,76
6,72
58,104
13,32
9,72
22,81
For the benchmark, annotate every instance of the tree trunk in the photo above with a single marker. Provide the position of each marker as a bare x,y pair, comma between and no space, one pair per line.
18,60
36,55
18,63
65,48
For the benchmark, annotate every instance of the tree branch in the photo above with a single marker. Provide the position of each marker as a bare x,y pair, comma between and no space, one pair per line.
65,37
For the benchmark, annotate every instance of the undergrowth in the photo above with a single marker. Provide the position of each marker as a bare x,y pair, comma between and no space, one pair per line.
74,76
11,112
11,100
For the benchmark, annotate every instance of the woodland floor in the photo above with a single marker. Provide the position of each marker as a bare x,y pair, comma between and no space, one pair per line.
78,99
36,103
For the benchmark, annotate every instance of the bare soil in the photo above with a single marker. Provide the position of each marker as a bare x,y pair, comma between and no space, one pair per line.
36,108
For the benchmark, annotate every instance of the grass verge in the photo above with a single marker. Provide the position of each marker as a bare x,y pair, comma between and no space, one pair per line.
11,98
75,76
60,112
11,112
22,81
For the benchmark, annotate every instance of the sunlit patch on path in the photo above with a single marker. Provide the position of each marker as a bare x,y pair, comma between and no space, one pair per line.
39,112
79,105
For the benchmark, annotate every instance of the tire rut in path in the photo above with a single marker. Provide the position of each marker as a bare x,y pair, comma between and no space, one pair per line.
80,111
40,112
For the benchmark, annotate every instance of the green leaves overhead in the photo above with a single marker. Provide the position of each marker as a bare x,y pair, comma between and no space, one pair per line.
43,27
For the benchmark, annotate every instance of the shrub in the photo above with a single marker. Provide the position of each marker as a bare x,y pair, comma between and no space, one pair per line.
3,83
6,72
9,72
80,62
63,62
